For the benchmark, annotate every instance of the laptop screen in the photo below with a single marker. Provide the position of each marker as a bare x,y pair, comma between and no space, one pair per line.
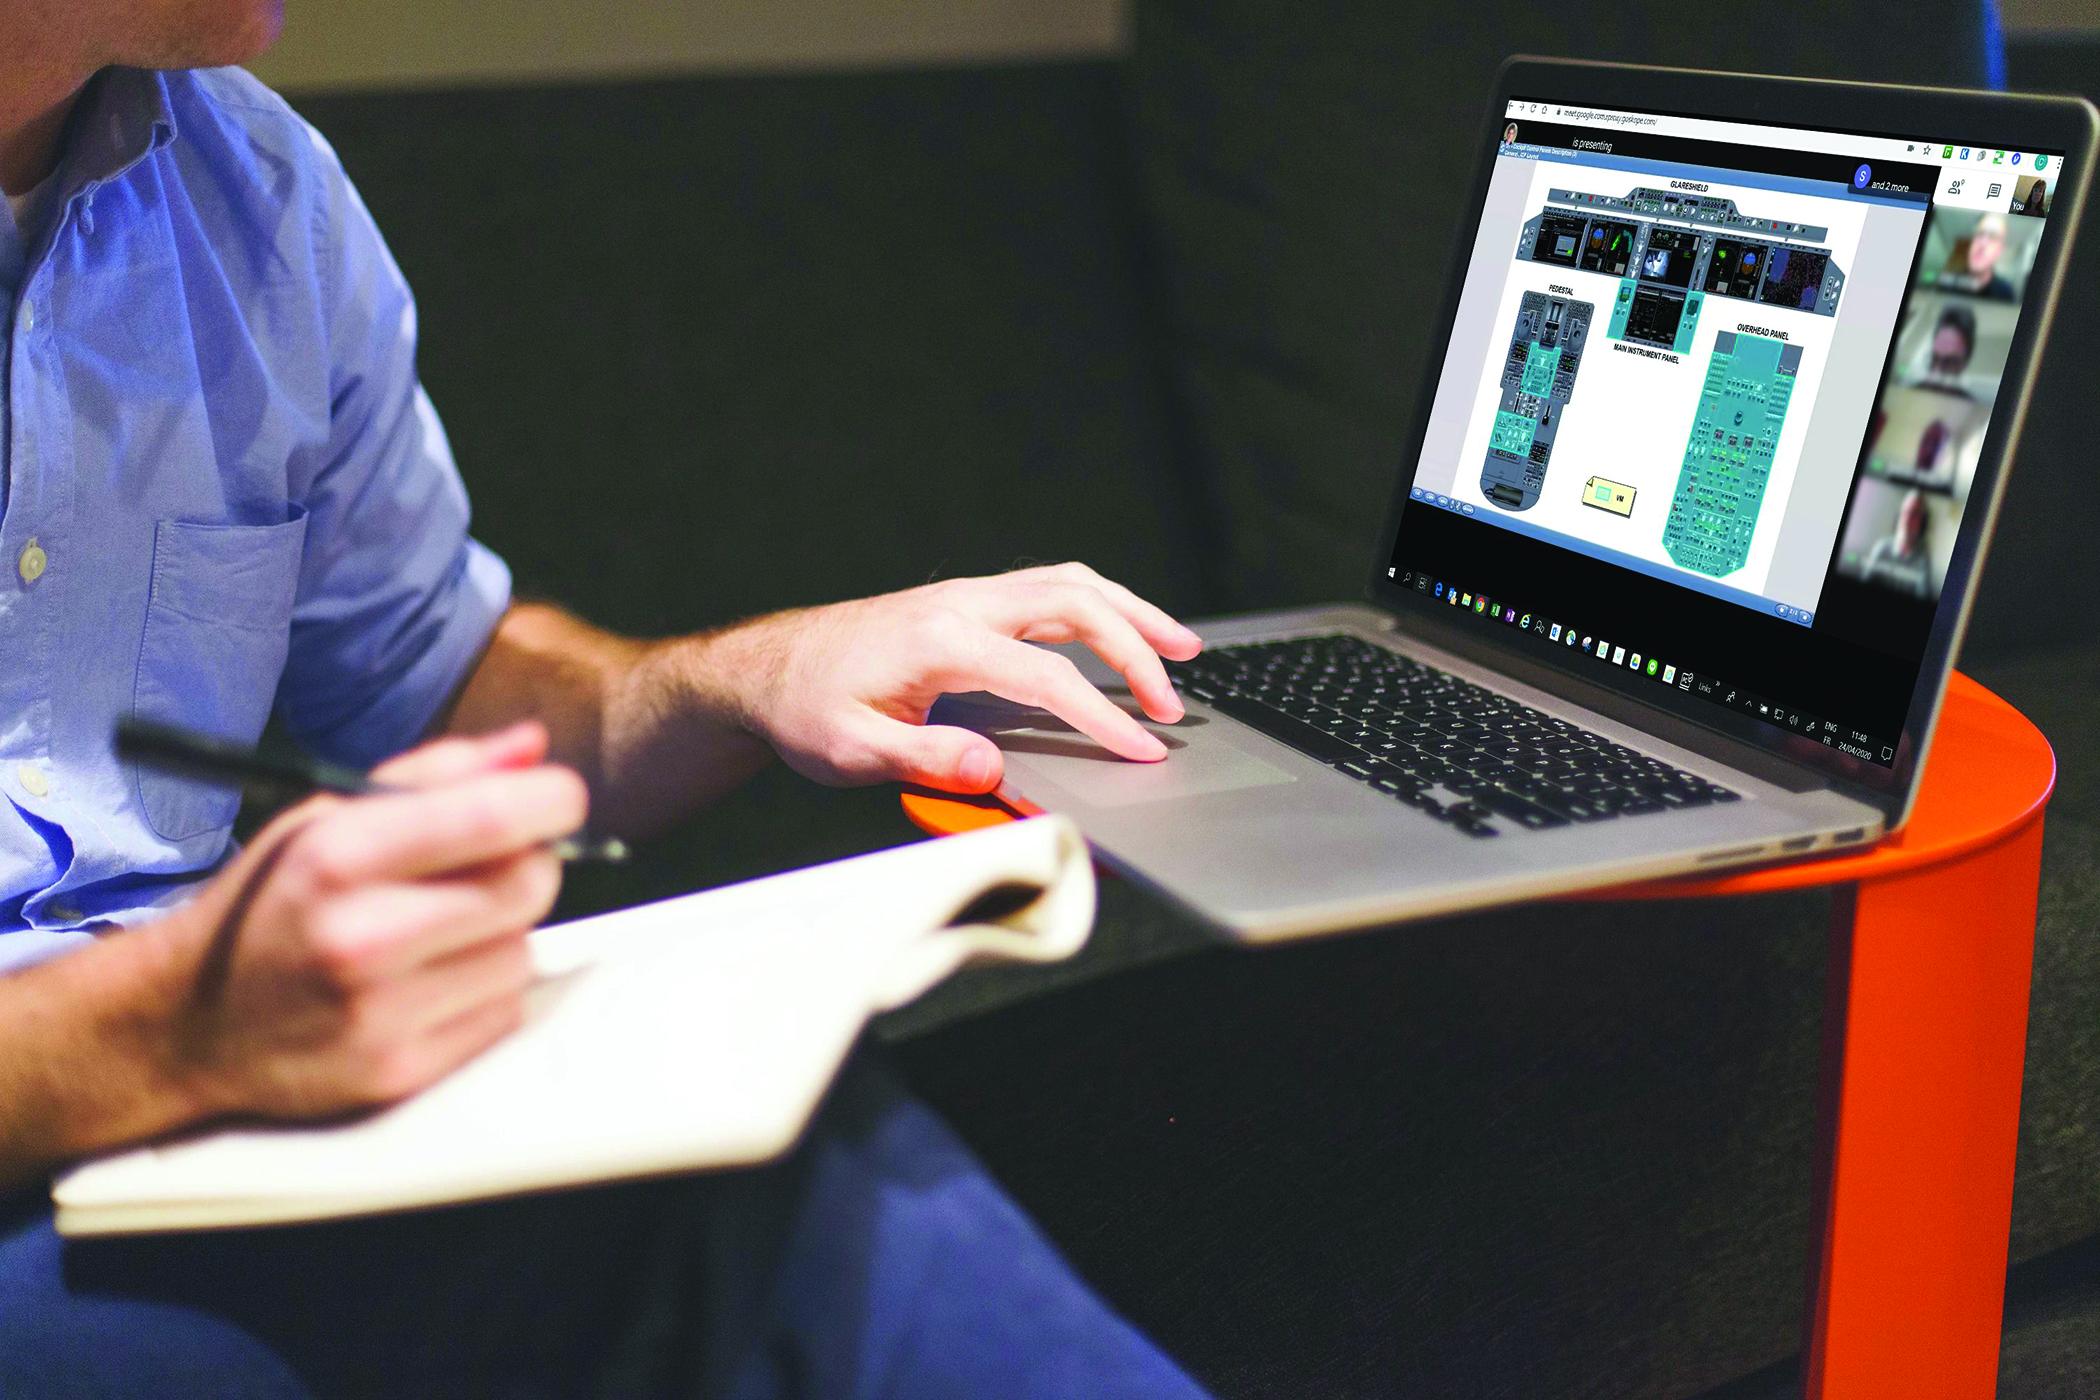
1713,400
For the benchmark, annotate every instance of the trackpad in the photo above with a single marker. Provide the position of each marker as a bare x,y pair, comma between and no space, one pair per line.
1043,751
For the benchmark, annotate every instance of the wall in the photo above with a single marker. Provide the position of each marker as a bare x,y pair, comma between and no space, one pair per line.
411,43
2050,16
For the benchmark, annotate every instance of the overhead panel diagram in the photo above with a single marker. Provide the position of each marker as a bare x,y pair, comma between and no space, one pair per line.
1728,461
1538,379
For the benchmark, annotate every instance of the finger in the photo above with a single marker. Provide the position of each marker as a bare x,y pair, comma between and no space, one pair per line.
1031,676
449,759
493,970
282,827
402,836
520,745
1065,612
1165,635
932,755
447,1047
387,930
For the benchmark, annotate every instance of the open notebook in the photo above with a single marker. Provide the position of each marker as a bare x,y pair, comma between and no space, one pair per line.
697,1032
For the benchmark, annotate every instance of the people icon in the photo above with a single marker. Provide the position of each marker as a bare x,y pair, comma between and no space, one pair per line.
1901,560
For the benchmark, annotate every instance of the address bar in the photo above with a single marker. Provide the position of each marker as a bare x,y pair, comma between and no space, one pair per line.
1597,117
1737,133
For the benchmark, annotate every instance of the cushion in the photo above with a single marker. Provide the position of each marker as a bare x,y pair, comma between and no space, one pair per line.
718,345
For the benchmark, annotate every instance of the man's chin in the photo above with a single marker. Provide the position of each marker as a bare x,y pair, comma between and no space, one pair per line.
238,39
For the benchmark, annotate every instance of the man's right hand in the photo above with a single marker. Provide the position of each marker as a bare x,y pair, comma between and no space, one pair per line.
360,949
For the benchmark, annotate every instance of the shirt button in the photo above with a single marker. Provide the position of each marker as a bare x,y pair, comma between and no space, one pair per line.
33,780
32,561
28,315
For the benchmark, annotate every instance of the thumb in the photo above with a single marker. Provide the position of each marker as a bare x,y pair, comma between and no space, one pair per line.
940,756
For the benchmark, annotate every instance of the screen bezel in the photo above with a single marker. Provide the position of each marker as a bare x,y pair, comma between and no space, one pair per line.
2065,127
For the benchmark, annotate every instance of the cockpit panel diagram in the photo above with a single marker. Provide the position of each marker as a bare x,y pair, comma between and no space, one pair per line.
1538,379
1728,460
1672,250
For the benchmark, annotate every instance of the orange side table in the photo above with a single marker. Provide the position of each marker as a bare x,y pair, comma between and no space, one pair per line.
1925,1039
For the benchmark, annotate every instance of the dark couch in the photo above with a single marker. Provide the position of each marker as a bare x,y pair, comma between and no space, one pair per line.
713,346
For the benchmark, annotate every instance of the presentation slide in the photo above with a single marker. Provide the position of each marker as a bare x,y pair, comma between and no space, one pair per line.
1650,381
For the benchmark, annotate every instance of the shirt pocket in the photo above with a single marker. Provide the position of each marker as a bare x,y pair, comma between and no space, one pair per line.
218,626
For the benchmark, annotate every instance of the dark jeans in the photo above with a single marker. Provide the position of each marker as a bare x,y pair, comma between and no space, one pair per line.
879,1260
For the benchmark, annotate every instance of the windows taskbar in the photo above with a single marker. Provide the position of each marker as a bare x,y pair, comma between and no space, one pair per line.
1617,652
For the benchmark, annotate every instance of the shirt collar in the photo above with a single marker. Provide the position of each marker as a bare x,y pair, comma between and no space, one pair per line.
125,116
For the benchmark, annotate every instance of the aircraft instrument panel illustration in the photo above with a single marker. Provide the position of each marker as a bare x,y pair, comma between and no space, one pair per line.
1672,250
1728,460
1538,379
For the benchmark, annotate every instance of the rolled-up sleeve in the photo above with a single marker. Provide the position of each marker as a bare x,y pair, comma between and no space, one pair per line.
396,602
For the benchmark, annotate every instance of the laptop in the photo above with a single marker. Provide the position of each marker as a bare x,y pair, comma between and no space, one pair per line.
1679,555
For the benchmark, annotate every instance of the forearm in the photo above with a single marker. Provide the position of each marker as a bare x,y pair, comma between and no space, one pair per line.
89,1055
654,727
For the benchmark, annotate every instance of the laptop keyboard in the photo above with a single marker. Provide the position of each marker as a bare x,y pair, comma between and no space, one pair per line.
1458,751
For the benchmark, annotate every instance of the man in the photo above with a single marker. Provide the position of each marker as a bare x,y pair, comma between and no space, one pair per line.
1953,345
1900,559
224,494
1977,258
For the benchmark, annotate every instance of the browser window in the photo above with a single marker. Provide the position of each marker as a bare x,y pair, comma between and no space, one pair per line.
1649,326
1721,384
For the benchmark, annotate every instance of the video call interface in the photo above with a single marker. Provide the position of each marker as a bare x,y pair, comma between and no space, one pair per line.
1715,402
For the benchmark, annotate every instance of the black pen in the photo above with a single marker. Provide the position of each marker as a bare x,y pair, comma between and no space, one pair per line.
227,764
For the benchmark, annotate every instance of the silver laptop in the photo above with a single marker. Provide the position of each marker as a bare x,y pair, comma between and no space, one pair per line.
1731,372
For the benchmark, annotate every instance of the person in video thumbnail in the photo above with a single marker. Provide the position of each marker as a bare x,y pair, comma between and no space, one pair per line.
1509,134
1974,266
1953,344
1901,560
2033,200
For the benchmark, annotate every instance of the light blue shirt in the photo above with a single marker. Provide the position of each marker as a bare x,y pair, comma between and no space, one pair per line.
13,252
225,492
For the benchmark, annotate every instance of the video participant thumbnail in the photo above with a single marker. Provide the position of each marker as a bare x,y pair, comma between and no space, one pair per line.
1926,435
1982,253
1899,538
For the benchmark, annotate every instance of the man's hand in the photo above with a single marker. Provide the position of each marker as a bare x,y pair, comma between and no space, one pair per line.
355,952
359,950
842,692
658,728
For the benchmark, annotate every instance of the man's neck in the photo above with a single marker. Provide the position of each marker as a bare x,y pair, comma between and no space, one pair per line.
33,115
